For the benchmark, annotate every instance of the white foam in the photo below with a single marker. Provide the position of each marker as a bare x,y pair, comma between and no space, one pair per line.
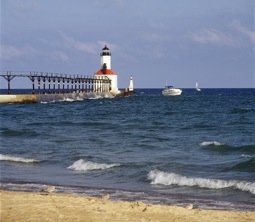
208,143
17,159
67,99
246,186
245,156
97,97
79,98
47,102
167,179
83,165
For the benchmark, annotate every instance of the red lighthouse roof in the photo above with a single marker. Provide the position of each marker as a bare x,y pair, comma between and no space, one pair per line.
107,72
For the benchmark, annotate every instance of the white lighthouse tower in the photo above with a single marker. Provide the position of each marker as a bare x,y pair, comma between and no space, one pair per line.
131,84
106,71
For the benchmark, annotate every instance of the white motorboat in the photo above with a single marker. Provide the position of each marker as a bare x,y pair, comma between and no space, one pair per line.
171,91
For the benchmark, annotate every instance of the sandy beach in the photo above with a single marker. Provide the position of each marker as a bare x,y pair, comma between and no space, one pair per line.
29,206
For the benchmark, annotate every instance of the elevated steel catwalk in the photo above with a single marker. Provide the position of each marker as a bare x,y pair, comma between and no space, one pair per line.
60,83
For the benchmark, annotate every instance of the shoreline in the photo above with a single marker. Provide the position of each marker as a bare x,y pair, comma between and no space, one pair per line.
33,206
122,195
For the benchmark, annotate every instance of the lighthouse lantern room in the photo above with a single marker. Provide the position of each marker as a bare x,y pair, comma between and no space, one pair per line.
106,70
105,58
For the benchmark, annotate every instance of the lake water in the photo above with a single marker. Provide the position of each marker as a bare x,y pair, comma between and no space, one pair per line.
196,148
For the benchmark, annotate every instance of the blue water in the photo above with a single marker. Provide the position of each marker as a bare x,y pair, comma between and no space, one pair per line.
197,148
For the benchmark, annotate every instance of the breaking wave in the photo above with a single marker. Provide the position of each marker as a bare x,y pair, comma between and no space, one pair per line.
211,143
245,156
167,179
17,159
64,99
55,98
83,165
248,165
221,147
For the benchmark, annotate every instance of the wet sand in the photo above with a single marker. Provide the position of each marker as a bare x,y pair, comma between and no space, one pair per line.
41,206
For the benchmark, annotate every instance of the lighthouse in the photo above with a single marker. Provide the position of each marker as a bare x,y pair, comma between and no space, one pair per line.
130,90
106,70
131,85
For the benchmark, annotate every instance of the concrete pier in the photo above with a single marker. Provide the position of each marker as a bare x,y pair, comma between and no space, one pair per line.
18,98
47,98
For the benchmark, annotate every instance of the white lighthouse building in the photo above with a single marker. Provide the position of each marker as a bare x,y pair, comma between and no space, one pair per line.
131,84
106,70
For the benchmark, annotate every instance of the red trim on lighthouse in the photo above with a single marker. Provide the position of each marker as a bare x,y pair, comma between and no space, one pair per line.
108,72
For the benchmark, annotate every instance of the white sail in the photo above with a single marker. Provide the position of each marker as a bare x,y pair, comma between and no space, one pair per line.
197,88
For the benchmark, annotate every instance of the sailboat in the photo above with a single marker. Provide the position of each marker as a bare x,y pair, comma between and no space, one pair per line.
197,88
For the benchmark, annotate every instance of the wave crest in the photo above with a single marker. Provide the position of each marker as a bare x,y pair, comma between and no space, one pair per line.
17,159
242,110
211,143
167,179
248,165
83,165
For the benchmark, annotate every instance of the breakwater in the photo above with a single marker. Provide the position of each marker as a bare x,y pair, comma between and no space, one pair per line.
47,98
47,87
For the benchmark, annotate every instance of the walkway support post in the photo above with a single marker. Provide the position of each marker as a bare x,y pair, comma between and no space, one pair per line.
32,78
44,79
9,77
39,84
49,81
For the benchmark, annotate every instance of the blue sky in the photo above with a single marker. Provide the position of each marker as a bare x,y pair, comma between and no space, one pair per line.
157,41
